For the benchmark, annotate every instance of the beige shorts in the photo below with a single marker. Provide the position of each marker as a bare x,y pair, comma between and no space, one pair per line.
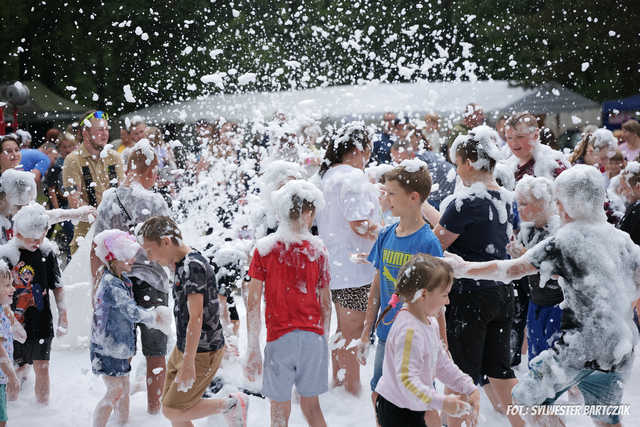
206,366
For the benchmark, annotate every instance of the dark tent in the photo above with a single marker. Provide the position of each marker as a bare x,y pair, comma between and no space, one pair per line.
551,98
42,106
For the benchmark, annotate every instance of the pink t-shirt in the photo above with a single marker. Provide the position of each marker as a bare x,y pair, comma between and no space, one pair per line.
414,357
629,154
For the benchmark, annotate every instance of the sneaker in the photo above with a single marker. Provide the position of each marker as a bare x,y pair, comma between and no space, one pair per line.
236,415
216,385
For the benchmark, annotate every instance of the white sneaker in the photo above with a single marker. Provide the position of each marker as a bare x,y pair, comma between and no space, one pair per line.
236,415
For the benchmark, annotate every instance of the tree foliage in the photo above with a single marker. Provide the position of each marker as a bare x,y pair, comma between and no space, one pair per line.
176,50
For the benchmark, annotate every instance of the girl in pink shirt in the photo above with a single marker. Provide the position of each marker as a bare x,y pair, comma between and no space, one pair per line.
415,355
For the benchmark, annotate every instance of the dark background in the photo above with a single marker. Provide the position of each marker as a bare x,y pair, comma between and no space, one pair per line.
94,46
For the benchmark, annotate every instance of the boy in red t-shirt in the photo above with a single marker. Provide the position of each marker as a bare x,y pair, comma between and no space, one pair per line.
291,266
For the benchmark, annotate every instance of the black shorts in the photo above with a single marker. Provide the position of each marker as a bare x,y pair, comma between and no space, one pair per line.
154,342
479,331
32,349
389,415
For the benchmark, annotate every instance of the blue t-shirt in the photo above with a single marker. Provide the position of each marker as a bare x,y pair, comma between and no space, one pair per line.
391,252
483,230
35,159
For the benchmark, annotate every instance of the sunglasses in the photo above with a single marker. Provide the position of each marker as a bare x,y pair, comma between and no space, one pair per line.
96,115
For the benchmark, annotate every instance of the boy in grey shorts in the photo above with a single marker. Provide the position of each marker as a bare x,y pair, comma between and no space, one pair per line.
295,280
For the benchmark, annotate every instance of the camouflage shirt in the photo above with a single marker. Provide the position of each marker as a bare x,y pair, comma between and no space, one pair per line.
194,275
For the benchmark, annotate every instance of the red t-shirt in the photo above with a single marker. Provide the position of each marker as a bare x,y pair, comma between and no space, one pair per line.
293,277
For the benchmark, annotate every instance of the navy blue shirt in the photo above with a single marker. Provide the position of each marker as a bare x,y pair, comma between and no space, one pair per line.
482,234
381,152
443,177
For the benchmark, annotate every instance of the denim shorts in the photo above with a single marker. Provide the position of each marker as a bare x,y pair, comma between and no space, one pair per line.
300,358
109,366
377,364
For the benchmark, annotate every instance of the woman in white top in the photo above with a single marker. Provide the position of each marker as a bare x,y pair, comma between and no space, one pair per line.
348,225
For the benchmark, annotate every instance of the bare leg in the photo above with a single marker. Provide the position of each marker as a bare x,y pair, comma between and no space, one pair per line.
493,397
122,409
21,373
351,325
502,389
280,412
115,390
336,365
203,408
312,412
41,368
155,382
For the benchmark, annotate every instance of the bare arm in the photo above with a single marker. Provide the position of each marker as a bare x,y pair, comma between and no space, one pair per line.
373,306
63,323
53,197
445,236
325,302
195,304
37,175
442,327
364,229
431,214
254,302
505,271
254,306
187,373
95,265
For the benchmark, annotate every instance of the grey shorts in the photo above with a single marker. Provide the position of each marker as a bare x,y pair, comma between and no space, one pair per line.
300,358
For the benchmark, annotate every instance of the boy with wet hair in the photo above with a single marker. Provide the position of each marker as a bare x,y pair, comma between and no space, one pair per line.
407,187
199,339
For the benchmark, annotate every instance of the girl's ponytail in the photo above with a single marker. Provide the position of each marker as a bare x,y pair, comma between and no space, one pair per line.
422,271
395,299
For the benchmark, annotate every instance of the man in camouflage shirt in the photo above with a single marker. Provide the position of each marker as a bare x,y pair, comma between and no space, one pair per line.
91,169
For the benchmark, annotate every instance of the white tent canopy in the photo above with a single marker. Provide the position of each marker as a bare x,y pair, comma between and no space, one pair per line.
367,101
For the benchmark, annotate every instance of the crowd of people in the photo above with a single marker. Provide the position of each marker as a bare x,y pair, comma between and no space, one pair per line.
455,255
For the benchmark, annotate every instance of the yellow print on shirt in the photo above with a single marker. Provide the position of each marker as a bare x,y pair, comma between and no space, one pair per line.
394,258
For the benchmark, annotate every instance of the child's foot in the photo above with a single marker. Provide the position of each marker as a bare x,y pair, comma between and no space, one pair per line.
236,414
